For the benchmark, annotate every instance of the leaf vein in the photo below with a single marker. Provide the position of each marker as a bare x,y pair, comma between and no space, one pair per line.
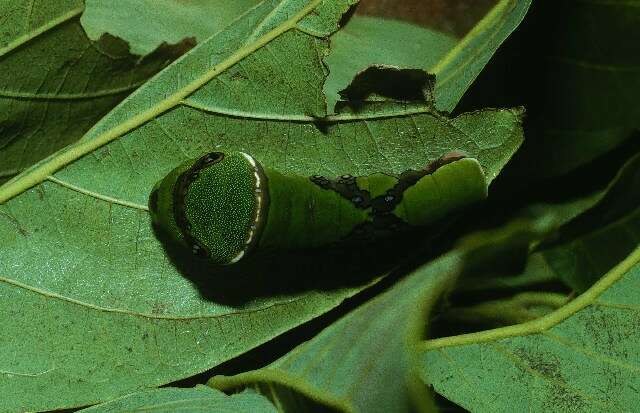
98,196
56,296
69,96
40,30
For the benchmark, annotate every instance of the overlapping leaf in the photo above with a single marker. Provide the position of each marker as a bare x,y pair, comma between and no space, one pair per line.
454,62
579,358
55,83
363,362
366,362
94,307
367,41
576,66
574,255
460,67
146,25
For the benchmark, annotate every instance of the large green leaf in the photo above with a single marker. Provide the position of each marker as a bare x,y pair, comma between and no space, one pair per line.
575,65
582,357
146,24
363,362
175,400
568,359
80,261
574,253
55,82
592,79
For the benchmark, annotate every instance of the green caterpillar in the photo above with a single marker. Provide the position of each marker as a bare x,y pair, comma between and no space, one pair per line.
225,205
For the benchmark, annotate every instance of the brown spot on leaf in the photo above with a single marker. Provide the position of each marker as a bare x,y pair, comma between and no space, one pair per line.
453,16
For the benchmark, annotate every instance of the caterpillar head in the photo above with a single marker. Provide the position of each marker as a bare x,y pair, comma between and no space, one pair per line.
213,205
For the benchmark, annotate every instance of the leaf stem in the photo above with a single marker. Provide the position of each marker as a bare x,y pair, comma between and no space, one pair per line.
544,323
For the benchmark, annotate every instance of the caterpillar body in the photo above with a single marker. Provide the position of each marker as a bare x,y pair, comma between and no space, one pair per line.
225,205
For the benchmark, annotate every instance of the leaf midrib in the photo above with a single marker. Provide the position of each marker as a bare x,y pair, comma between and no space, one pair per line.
70,96
48,166
342,117
19,41
493,15
60,297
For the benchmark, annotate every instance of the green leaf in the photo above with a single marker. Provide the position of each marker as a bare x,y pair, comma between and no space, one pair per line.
575,253
571,252
551,217
462,64
366,41
579,358
582,121
365,362
147,24
176,400
55,82
583,60
361,363
79,258
567,359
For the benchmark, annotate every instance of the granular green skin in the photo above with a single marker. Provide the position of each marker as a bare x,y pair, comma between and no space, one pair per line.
221,207
377,184
304,215
450,188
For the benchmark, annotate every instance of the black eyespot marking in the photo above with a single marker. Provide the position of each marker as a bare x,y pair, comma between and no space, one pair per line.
321,181
209,159
153,201
198,250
